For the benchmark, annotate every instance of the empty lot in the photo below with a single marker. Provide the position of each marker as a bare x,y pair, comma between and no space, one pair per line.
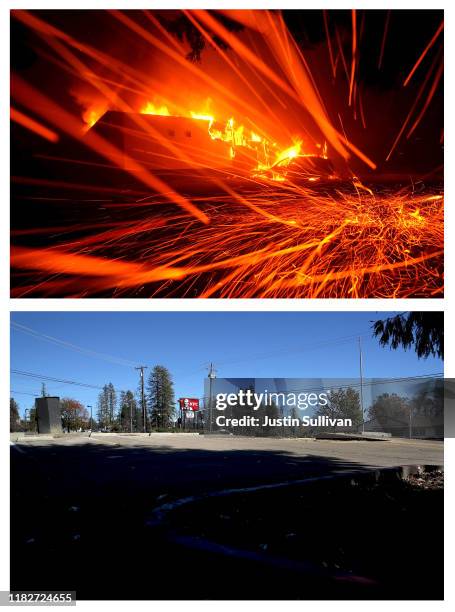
79,504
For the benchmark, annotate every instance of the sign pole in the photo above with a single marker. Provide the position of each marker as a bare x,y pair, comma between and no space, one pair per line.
361,384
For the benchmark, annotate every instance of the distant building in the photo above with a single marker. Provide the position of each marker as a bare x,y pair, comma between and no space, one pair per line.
420,426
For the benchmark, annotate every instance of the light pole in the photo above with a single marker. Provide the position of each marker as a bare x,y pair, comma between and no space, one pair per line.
91,420
179,413
144,413
212,375
361,385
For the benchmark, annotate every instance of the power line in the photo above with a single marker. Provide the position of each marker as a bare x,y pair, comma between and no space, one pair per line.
352,385
322,344
24,393
52,379
301,349
316,345
365,382
70,346
124,362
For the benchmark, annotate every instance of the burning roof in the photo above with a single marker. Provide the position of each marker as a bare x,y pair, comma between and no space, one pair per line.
159,140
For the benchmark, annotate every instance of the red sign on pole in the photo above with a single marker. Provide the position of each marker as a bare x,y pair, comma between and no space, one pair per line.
189,403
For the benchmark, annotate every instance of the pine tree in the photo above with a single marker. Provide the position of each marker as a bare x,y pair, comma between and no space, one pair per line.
107,407
102,409
128,411
112,403
160,396
123,412
424,331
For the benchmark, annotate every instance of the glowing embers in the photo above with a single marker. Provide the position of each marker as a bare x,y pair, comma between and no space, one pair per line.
275,244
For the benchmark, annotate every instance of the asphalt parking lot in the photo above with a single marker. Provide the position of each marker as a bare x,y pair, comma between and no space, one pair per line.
78,504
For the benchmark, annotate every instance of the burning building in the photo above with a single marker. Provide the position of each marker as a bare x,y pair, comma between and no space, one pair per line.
179,145
175,143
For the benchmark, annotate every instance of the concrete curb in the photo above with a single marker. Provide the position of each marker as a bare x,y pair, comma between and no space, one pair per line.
143,435
22,438
367,436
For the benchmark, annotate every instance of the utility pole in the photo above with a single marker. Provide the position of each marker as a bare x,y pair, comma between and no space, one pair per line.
144,415
91,415
212,375
361,384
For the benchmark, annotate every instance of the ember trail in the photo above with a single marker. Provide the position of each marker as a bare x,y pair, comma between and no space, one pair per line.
227,154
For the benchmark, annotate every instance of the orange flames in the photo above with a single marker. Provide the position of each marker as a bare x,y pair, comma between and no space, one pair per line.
151,109
203,117
289,153
229,131
92,114
259,241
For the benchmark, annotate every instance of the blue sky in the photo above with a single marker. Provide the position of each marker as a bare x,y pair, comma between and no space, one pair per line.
241,344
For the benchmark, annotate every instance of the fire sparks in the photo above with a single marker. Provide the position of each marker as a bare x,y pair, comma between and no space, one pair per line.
237,177
33,126
362,246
